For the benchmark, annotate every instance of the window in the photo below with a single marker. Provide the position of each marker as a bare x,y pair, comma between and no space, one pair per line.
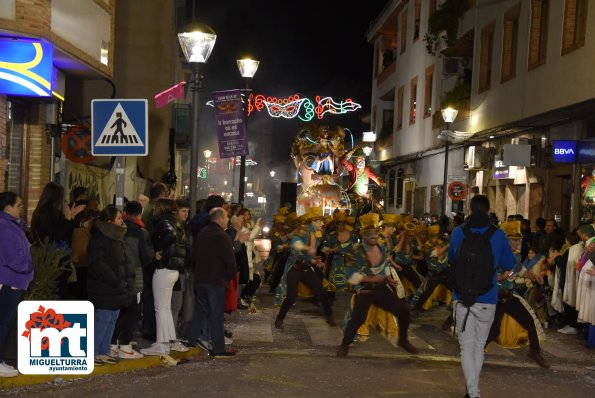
413,101
575,21
416,20
486,54
510,35
403,31
428,91
400,107
538,33
388,117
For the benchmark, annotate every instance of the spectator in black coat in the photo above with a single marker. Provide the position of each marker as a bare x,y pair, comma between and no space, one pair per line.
214,266
107,287
139,252
171,242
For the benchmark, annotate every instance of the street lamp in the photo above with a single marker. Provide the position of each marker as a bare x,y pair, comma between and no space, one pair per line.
197,41
248,68
449,115
207,153
272,173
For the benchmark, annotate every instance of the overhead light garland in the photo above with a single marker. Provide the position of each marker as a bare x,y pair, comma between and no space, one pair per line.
301,107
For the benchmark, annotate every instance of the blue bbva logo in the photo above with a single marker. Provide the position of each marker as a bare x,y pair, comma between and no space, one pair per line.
56,337
564,151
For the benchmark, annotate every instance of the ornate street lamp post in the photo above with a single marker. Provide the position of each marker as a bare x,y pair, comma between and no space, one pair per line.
248,68
197,41
449,115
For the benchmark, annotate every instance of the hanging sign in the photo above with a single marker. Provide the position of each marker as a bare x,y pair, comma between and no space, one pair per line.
231,129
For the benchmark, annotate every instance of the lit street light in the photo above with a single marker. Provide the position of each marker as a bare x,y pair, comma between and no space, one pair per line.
207,153
449,115
197,41
272,173
248,68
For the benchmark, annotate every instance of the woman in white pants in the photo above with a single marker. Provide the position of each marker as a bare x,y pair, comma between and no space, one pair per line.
171,242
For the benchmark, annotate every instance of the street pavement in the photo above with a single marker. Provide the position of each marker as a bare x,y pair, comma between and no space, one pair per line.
299,361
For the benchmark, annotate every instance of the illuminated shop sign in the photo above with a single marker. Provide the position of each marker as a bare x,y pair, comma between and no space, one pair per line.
568,151
26,67
586,152
564,151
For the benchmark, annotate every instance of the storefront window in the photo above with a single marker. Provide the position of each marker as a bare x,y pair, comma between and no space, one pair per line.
13,148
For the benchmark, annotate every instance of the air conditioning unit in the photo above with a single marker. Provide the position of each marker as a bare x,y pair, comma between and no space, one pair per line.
478,157
453,66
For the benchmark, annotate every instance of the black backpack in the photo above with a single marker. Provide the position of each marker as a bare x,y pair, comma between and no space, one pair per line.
473,269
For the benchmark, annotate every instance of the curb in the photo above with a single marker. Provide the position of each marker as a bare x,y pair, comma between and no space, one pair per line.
123,366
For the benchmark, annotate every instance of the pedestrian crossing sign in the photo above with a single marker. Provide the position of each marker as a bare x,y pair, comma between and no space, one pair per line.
119,127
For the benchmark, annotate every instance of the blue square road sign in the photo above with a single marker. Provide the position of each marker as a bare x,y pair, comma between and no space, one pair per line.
119,127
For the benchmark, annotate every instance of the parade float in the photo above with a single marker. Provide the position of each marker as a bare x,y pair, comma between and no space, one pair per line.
320,157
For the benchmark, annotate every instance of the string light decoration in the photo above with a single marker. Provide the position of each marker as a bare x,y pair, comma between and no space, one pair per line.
301,107
329,105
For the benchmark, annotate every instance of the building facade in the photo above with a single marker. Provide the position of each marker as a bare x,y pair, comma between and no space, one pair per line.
80,36
518,72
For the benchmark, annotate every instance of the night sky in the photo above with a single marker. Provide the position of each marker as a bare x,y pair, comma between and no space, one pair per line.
307,47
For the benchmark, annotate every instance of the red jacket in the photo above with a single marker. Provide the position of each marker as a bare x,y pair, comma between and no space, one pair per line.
353,173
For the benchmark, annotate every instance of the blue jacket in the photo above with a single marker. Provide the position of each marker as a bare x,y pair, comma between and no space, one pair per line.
503,258
16,266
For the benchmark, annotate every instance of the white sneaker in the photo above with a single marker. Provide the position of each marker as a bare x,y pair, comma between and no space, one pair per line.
568,330
156,349
178,346
114,349
7,370
228,341
127,352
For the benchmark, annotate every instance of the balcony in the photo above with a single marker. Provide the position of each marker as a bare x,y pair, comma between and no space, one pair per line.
386,72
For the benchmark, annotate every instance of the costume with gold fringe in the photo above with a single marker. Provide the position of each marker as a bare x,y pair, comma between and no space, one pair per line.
515,323
377,315
300,268
405,254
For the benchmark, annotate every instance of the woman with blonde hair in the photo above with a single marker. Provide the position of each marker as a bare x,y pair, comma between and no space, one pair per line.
254,229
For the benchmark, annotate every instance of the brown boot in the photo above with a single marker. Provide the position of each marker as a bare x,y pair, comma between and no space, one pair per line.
330,320
343,351
278,323
540,360
407,346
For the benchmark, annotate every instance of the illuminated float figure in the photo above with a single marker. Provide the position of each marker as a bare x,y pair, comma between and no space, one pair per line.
360,175
316,152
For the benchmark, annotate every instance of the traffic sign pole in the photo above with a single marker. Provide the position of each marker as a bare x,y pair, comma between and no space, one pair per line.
120,170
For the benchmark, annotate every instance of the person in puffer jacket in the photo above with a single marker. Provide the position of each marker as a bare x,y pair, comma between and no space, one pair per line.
171,243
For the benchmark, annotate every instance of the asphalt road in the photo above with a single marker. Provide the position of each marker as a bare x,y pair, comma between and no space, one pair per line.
299,361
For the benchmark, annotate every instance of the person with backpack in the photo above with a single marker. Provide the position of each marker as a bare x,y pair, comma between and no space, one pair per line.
477,249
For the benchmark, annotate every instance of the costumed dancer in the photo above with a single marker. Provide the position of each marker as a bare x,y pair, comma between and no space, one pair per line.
406,258
369,272
339,242
387,231
424,246
433,286
300,266
515,321
280,250
269,264
534,293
